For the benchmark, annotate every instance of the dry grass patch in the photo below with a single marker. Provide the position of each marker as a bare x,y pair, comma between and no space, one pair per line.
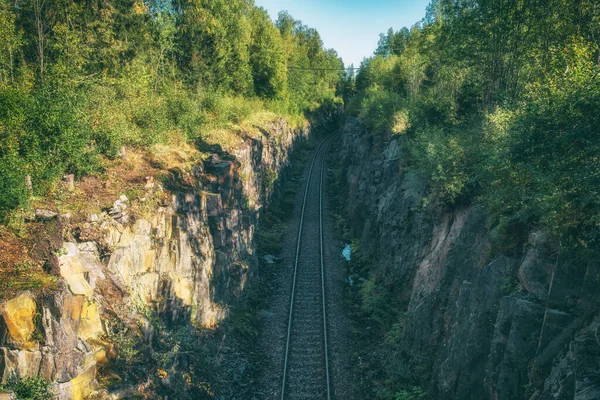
168,157
18,272
228,138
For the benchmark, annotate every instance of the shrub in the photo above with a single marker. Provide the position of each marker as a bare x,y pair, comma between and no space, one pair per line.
413,393
376,303
509,285
378,109
13,192
442,157
29,388
43,135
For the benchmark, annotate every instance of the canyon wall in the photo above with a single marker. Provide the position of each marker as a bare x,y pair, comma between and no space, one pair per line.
186,258
480,321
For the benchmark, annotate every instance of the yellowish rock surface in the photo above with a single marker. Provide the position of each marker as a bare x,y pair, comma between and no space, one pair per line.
90,325
72,307
18,314
83,384
184,289
74,273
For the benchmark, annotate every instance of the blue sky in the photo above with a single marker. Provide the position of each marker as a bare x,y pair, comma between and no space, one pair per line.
351,27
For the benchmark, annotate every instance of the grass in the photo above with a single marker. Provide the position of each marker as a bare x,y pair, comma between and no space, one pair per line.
23,277
174,156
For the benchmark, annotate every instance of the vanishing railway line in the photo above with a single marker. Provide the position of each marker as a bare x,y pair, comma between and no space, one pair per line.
306,361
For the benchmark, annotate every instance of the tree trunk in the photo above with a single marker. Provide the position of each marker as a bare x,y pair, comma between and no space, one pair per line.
38,9
10,63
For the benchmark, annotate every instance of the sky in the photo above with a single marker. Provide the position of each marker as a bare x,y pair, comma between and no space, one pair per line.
351,27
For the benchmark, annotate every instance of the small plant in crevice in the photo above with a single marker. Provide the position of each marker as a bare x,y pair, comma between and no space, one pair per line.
509,285
270,177
244,323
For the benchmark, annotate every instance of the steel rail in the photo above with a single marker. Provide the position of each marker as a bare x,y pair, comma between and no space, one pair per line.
321,246
297,257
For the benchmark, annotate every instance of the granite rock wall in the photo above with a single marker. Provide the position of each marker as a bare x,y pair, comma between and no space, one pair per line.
480,324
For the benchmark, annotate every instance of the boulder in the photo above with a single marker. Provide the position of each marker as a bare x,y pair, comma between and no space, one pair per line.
74,272
535,273
68,182
42,214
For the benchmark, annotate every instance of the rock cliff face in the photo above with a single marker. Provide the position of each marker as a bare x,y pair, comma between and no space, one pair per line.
185,257
480,323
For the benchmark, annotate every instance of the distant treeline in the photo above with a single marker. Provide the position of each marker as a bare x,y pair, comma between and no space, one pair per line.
80,79
497,101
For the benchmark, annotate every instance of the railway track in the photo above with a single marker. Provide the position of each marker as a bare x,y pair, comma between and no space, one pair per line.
306,361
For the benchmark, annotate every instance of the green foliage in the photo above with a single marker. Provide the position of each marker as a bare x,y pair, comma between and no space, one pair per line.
42,136
25,276
10,46
269,180
378,108
442,156
79,81
269,71
549,174
244,323
13,192
392,43
127,347
175,357
307,89
376,302
496,106
29,388
509,285
270,238
414,393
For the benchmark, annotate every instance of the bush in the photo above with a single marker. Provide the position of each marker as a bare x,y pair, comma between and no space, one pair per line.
57,137
13,192
43,135
29,388
185,112
378,110
377,303
442,157
227,109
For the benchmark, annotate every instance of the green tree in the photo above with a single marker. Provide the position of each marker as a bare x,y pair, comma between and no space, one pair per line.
268,61
10,44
